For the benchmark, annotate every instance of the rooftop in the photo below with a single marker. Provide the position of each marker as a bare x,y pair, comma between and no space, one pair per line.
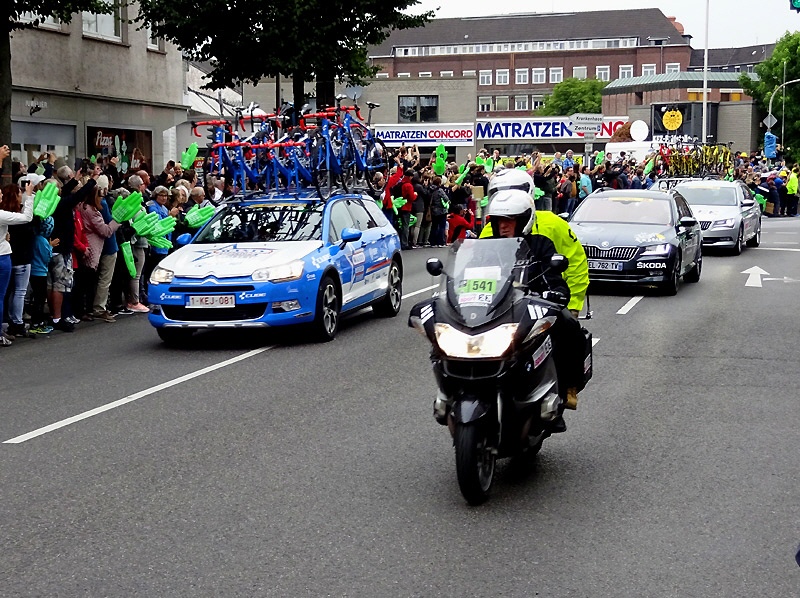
680,80
720,57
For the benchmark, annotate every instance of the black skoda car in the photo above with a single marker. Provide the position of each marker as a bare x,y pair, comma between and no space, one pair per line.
642,237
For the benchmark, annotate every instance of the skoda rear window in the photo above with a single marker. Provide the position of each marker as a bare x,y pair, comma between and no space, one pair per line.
708,195
604,209
264,223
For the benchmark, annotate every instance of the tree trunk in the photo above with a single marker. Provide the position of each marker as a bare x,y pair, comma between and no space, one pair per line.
5,93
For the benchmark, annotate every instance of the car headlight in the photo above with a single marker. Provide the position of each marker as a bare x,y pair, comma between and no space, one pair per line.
728,223
662,249
161,275
282,273
493,343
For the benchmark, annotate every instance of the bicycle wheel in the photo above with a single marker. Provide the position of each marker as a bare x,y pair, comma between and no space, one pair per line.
375,154
320,163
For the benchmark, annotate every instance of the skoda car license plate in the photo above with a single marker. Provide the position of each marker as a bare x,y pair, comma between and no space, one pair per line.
211,301
598,265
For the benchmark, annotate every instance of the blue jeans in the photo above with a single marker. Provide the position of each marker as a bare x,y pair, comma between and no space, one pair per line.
5,276
21,275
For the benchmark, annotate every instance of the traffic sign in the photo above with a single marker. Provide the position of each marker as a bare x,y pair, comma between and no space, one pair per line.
586,123
590,136
770,121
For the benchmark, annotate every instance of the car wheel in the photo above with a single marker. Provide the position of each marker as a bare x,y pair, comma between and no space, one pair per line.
671,286
737,249
175,337
755,240
693,275
329,306
389,306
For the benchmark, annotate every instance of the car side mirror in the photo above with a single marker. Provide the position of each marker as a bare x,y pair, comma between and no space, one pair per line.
748,203
184,239
687,222
559,263
350,235
434,266
564,216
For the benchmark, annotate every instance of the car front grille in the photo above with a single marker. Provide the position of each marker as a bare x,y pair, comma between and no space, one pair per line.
222,289
705,224
251,311
612,253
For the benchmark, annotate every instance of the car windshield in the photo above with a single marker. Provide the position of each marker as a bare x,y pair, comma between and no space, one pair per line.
605,208
291,221
707,195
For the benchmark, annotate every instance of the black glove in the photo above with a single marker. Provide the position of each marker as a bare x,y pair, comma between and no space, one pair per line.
555,297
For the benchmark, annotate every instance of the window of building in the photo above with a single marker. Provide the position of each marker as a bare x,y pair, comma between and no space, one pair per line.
749,68
445,73
382,76
418,109
579,72
424,74
694,95
106,26
521,76
501,103
48,22
556,74
153,42
625,71
672,67
539,75
648,69
731,95
520,102
603,73
403,75
484,104
485,78
469,73
537,102
502,77
737,68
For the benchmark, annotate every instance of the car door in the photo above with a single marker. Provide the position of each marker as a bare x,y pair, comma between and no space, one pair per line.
366,274
751,212
344,259
690,237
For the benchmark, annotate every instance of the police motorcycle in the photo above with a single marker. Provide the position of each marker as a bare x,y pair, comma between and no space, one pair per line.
492,355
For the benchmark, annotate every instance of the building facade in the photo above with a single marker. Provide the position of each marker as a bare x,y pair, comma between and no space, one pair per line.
96,86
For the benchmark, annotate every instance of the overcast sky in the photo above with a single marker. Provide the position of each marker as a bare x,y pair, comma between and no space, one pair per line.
732,23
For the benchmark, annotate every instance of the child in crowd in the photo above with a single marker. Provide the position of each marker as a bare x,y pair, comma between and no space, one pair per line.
42,252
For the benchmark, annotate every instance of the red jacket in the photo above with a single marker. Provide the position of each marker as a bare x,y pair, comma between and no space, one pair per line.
458,226
393,180
408,194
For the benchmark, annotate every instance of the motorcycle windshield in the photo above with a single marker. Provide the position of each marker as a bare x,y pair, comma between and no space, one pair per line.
479,274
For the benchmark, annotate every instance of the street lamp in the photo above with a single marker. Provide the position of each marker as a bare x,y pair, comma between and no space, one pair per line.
705,77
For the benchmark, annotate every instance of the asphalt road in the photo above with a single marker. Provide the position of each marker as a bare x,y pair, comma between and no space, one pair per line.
318,470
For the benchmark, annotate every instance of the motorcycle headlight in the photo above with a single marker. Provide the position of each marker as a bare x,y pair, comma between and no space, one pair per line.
728,223
493,343
662,249
161,275
282,273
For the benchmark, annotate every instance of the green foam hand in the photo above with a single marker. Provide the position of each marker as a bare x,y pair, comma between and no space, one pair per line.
479,160
488,165
187,157
537,193
127,253
484,202
398,202
412,221
439,167
460,179
648,167
197,217
144,223
162,227
441,153
46,200
601,156
126,208
160,242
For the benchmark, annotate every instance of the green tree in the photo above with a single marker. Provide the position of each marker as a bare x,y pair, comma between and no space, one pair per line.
573,95
10,13
770,76
307,39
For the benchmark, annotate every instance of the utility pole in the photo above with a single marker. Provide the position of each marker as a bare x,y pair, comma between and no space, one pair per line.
705,80
783,107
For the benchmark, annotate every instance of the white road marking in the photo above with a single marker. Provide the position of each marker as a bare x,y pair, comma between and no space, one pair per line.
595,341
135,397
754,275
782,233
786,243
419,292
629,305
777,249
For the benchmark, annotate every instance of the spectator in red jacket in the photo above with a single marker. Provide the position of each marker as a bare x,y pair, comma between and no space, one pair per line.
392,185
460,223
408,193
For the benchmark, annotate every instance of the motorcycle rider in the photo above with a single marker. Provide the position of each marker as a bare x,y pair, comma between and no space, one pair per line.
553,227
513,214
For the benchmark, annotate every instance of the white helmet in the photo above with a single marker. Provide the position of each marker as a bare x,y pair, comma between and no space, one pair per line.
511,178
516,204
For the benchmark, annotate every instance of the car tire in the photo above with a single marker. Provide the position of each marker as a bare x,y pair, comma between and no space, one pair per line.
755,240
329,307
737,249
693,275
389,305
175,337
671,286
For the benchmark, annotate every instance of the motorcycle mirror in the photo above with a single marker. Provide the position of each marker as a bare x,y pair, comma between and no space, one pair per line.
434,266
559,263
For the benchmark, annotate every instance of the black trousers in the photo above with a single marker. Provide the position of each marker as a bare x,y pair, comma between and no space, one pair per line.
569,351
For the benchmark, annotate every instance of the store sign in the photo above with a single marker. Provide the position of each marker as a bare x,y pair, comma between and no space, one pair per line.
537,129
427,134
133,147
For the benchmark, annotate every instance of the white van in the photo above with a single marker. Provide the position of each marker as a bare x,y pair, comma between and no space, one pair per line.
633,149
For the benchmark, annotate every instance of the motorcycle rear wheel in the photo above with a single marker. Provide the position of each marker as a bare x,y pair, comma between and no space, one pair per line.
475,462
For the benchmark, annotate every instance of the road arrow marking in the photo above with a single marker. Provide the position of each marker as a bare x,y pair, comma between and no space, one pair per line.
754,276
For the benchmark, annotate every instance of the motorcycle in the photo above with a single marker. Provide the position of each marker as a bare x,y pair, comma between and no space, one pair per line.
492,355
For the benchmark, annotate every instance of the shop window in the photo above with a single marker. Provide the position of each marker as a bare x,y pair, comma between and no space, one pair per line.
484,104
418,109
106,26
501,103
579,72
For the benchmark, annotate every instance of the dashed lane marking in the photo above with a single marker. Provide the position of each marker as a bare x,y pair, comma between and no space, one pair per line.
629,305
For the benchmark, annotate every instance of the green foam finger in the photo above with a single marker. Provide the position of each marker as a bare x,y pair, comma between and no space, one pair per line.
46,201
127,253
484,202
412,221
126,208
163,227
197,217
187,157
399,202
144,223
160,242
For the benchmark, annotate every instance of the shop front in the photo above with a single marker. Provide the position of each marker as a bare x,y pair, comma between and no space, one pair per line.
458,138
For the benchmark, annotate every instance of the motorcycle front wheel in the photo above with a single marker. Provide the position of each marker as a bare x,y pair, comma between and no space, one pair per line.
475,461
